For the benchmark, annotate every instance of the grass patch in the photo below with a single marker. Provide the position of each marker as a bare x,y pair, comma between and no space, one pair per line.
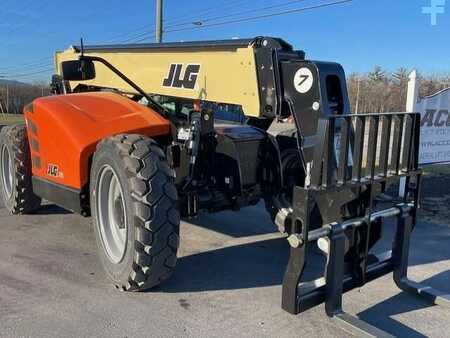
11,119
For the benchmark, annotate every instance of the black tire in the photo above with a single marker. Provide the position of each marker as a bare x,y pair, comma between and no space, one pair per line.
151,211
18,197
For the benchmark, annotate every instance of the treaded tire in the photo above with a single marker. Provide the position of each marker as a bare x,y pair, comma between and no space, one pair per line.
150,200
21,200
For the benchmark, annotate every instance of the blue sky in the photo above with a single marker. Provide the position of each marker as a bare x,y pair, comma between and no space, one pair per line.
360,34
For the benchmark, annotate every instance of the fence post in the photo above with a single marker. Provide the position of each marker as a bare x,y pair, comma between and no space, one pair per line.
413,92
411,100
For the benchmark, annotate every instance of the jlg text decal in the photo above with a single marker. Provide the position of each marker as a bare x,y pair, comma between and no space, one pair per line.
176,78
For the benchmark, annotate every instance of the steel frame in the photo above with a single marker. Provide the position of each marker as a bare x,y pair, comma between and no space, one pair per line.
332,178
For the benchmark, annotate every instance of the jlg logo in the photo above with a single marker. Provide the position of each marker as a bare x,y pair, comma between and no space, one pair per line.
53,170
175,78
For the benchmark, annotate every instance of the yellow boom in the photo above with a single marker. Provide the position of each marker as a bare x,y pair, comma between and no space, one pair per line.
227,71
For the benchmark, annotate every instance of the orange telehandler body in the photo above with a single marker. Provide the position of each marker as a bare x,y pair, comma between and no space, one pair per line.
64,132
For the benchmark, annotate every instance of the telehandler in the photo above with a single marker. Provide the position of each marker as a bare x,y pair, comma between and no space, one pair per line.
130,137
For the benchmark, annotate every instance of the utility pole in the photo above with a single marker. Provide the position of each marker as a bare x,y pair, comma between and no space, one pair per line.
3,111
7,94
159,20
7,98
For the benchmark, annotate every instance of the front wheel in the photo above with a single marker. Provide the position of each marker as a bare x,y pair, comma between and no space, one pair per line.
134,206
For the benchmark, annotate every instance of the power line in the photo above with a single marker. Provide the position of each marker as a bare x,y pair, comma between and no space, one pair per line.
258,17
27,74
291,11
217,7
149,34
130,35
146,34
237,14
143,32
47,62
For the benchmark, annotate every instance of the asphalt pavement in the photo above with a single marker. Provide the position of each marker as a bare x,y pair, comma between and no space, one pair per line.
227,284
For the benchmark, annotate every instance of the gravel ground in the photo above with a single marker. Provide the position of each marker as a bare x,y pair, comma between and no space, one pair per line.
227,284
436,194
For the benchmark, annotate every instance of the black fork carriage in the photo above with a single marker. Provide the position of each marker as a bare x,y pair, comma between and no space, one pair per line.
348,160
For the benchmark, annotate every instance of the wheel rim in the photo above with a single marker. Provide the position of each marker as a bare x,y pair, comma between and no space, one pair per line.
7,171
111,213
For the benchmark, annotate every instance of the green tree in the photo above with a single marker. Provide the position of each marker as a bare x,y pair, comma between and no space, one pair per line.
377,74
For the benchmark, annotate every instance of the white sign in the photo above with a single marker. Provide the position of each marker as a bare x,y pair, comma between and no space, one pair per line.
434,128
434,125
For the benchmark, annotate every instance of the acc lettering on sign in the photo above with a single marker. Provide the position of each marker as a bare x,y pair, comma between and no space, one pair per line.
183,79
436,118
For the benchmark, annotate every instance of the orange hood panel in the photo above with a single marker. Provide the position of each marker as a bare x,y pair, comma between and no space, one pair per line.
67,128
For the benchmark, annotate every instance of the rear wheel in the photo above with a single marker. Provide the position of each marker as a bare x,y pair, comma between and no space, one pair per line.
15,171
134,204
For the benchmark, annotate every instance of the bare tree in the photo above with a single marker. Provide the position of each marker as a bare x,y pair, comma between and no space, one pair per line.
380,91
15,95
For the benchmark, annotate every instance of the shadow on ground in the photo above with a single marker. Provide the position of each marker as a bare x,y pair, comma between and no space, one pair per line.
262,264
249,221
381,315
52,209
238,267
252,265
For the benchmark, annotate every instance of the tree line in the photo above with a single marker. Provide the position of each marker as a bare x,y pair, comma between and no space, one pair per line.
376,91
15,95
381,91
